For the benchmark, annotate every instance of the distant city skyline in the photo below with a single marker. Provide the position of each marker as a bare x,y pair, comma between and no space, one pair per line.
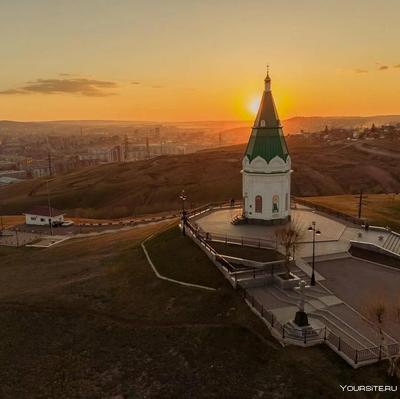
197,60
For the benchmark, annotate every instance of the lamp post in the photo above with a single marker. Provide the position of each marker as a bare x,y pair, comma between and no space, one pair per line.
16,237
183,198
315,232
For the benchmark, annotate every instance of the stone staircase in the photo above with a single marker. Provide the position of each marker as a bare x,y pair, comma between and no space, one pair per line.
338,319
392,243
238,219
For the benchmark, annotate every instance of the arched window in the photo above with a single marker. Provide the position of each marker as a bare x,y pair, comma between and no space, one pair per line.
275,204
258,204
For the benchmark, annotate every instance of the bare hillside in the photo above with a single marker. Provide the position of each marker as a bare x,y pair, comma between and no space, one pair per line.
117,190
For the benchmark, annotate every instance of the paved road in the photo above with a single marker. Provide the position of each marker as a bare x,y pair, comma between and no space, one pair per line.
376,151
91,228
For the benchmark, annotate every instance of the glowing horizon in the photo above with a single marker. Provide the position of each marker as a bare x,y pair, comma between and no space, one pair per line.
188,61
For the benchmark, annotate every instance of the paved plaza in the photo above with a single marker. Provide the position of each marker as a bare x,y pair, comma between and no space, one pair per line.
220,222
334,239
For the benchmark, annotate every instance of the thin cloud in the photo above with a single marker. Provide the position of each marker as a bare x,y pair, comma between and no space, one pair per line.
359,70
12,91
81,86
383,68
396,66
135,82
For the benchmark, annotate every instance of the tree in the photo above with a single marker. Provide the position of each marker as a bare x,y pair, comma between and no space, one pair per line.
288,238
395,313
380,311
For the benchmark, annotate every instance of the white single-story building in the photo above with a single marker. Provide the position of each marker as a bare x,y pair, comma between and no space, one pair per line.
43,216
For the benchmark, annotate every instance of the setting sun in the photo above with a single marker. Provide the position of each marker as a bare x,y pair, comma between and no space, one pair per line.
253,105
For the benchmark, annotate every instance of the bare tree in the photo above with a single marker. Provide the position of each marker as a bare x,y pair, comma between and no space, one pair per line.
396,310
288,238
380,311
395,313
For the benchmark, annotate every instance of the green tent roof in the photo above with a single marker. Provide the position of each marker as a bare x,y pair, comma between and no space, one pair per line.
267,143
267,139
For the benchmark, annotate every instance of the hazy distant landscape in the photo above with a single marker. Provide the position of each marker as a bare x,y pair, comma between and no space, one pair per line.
291,125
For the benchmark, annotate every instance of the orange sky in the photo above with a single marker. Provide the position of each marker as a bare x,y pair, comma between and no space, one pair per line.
190,60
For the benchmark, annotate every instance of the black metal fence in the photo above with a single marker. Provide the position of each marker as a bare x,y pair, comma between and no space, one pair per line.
225,264
267,271
239,240
329,211
341,345
214,205
284,332
358,356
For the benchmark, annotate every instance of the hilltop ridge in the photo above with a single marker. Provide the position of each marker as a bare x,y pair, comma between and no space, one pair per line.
133,188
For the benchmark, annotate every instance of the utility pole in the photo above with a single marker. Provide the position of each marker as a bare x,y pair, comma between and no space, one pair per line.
49,160
50,166
49,205
183,198
147,147
126,148
1,218
360,203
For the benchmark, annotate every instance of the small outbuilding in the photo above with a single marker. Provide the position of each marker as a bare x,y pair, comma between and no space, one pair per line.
43,216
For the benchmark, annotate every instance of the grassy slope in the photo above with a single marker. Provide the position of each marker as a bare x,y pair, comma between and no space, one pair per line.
88,319
257,254
177,266
117,190
383,209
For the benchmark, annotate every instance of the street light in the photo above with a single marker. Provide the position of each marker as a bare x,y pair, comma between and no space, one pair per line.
183,198
16,237
315,232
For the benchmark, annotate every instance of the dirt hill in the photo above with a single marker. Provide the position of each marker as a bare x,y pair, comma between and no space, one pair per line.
117,190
